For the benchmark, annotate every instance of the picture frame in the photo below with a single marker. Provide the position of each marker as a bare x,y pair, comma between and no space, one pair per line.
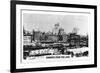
35,47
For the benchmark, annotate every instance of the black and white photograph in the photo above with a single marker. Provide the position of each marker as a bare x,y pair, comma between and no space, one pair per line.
51,35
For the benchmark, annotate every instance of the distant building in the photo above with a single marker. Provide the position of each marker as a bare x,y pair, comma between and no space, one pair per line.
61,31
52,38
77,40
49,33
37,35
75,30
27,39
56,29
56,35
65,37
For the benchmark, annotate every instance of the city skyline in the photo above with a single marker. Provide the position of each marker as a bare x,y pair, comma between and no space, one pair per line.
46,22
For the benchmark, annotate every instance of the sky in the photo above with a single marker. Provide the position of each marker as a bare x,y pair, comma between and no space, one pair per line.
46,22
